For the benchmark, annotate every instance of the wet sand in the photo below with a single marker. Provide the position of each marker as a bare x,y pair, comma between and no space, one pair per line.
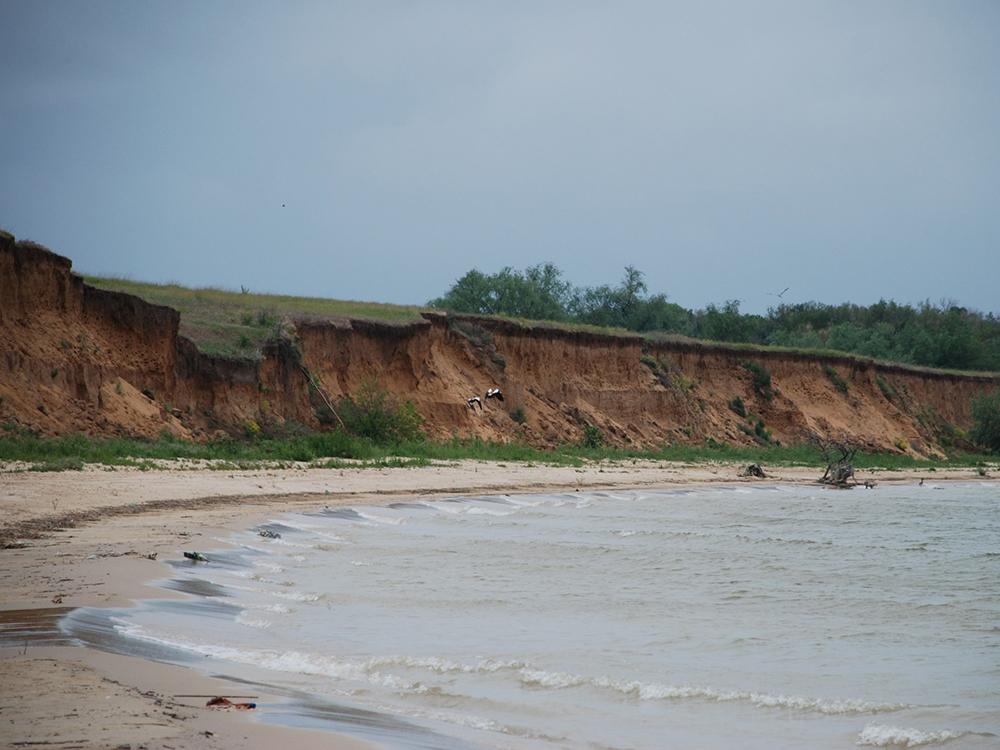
95,538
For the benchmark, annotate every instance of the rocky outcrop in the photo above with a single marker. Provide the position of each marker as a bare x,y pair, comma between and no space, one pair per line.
78,359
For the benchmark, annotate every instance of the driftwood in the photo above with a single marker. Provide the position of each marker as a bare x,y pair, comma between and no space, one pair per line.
839,459
753,470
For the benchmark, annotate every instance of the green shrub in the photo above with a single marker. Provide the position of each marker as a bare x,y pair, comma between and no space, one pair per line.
986,418
266,318
762,433
517,414
480,339
838,382
372,413
887,390
592,437
738,406
761,378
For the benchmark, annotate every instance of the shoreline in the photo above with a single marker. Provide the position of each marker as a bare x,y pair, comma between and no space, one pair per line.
93,548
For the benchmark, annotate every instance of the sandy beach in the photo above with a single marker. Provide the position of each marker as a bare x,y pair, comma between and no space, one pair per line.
95,538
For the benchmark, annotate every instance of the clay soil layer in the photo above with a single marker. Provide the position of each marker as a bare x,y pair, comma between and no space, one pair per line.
75,358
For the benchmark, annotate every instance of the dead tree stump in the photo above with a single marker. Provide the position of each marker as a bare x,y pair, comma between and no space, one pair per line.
839,459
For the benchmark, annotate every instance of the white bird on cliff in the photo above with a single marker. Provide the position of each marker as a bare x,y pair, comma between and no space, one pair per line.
472,402
494,393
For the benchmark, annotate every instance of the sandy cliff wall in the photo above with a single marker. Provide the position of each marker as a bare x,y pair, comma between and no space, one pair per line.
77,359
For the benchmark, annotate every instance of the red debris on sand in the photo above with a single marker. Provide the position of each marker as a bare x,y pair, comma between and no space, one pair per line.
226,703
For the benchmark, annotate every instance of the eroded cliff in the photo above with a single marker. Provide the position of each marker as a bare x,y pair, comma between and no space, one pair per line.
77,359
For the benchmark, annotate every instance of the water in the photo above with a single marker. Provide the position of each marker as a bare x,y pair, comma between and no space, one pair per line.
751,616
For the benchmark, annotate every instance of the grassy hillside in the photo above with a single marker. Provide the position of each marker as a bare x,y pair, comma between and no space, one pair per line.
236,324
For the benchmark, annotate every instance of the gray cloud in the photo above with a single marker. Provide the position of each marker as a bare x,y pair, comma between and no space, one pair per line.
727,149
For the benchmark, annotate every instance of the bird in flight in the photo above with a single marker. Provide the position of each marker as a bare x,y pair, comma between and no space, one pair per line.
494,393
472,402
780,294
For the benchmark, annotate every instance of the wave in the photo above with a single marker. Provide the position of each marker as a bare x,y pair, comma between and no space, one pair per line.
878,735
252,622
286,661
375,518
445,666
658,691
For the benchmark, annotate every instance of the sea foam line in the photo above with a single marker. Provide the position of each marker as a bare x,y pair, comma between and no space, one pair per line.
659,691
878,735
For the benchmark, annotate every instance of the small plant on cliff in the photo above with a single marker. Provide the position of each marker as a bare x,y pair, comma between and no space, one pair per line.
887,390
762,433
761,379
517,414
838,382
374,414
986,418
480,339
738,407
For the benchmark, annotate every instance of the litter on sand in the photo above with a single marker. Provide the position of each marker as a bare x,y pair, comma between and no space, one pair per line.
220,702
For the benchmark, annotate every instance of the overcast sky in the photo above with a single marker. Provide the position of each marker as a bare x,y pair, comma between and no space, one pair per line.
848,150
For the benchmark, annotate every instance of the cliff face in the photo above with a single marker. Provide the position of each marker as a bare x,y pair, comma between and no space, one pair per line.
78,359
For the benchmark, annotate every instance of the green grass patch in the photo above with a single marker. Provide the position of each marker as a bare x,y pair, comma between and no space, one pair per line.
760,377
340,451
237,324
838,382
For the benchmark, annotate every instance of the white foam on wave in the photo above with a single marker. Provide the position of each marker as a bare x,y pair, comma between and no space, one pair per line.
657,691
375,518
295,596
444,666
278,609
252,622
878,735
297,545
558,680
478,510
523,502
285,661
313,529
270,567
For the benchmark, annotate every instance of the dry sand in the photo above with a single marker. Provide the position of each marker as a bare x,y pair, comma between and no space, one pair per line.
91,535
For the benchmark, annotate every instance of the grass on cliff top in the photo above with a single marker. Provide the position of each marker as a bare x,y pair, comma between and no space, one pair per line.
236,323
339,450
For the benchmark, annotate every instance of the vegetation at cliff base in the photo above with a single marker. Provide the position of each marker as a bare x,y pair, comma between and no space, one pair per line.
339,449
986,418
